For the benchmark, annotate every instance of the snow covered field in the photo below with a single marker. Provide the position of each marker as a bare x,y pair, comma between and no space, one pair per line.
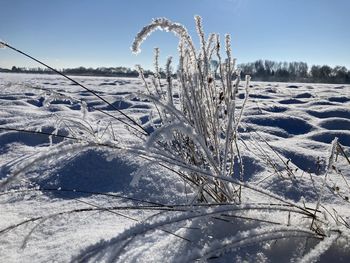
88,199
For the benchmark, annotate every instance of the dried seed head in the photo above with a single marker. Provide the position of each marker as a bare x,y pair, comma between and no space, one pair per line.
156,61
228,45
199,28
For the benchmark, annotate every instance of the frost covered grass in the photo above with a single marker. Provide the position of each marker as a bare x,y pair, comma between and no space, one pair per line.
201,130
217,174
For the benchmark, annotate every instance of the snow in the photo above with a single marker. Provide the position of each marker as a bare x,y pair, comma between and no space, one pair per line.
104,195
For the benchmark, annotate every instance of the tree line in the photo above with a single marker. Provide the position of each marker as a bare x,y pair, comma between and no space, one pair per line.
267,70
81,71
260,70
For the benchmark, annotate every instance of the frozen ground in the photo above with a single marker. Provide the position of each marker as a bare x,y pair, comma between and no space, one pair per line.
286,133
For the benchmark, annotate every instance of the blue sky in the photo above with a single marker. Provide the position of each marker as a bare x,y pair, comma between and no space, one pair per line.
92,33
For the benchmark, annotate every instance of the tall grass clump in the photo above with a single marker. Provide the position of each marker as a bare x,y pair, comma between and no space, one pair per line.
198,131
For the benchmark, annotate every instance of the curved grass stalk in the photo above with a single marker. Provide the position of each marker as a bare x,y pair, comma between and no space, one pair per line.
164,24
320,248
253,237
112,250
166,208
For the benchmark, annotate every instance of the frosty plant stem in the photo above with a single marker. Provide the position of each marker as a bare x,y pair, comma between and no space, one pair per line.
134,123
